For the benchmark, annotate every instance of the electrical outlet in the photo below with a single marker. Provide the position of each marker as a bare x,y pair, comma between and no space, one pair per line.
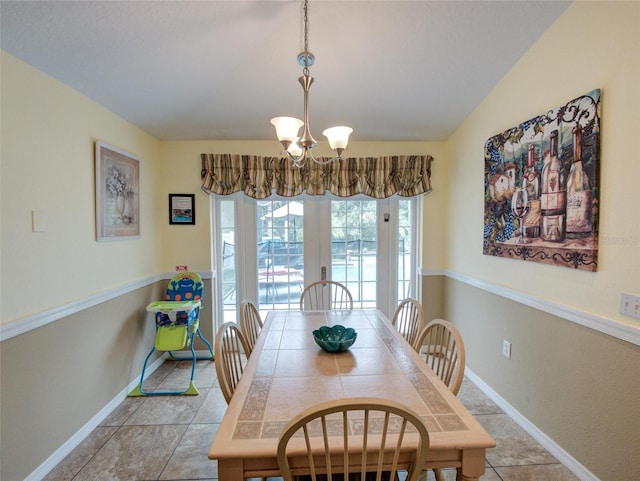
630,305
506,349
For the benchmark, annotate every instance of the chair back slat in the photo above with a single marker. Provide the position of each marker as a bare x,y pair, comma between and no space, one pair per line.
250,323
230,357
408,319
441,344
372,437
326,295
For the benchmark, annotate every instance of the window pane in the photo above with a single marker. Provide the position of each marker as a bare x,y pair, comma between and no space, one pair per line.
404,249
280,254
227,226
353,249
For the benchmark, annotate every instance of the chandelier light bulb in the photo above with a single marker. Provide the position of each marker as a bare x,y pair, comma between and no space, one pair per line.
287,128
338,137
295,149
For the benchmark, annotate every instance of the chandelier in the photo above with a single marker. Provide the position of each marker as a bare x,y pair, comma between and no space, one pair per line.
298,147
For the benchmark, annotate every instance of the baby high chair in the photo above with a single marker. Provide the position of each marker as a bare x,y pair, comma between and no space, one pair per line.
177,323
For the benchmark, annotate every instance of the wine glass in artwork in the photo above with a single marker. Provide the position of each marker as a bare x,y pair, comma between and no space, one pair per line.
520,207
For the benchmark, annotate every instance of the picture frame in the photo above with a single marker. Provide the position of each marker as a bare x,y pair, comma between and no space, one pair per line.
117,185
542,187
182,209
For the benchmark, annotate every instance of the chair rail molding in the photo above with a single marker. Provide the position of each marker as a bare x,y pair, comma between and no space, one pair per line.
26,324
611,327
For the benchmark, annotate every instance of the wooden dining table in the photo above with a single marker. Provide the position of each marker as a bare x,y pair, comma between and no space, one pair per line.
287,373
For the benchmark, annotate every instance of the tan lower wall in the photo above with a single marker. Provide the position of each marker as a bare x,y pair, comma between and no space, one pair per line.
577,385
580,387
432,297
206,316
56,378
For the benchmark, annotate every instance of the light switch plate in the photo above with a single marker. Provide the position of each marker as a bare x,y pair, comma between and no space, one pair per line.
38,221
506,349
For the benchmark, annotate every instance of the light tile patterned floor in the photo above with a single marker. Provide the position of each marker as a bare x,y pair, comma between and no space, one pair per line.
167,438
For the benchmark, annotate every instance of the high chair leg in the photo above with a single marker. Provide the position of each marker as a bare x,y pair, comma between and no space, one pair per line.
208,345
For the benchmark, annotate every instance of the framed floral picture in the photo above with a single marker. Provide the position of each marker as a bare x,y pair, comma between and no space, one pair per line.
117,194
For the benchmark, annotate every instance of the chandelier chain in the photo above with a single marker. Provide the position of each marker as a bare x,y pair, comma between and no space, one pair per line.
306,35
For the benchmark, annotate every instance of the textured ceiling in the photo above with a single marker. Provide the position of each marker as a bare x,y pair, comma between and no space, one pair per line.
220,70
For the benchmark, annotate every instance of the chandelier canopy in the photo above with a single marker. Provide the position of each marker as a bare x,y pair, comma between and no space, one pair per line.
298,147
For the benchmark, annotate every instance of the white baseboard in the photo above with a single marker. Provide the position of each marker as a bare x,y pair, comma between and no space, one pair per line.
549,444
63,451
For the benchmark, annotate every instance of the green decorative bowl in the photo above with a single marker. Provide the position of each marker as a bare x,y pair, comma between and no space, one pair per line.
335,338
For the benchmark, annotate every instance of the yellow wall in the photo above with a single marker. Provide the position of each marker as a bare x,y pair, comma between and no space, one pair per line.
96,350
181,166
57,377
593,45
577,385
48,135
48,131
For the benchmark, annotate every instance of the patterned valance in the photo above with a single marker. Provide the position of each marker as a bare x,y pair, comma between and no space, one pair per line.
259,177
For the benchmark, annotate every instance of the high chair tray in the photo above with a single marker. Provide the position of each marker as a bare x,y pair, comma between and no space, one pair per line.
172,306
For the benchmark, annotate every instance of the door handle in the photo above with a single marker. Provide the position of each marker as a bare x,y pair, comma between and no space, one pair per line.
323,273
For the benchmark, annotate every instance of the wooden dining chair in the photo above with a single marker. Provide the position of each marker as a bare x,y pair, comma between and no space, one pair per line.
348,436
231,358
250,323
408,319
326,295
441,345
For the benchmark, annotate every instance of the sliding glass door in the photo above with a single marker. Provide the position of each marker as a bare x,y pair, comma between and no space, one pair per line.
267,251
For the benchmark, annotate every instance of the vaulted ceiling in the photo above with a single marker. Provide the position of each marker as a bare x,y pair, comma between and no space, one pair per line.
220,70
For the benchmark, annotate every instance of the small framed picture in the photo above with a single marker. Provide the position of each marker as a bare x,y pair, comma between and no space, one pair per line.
182,209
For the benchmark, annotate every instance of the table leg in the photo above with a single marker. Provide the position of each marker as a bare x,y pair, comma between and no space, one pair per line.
473,463
230,469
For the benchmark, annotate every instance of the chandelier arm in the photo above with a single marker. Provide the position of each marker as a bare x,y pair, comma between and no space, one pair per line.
311,156
327,161
308,154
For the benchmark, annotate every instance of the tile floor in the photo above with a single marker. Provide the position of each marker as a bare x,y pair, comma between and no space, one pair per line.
168,437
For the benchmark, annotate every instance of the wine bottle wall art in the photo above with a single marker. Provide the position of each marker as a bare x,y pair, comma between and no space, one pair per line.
541,185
